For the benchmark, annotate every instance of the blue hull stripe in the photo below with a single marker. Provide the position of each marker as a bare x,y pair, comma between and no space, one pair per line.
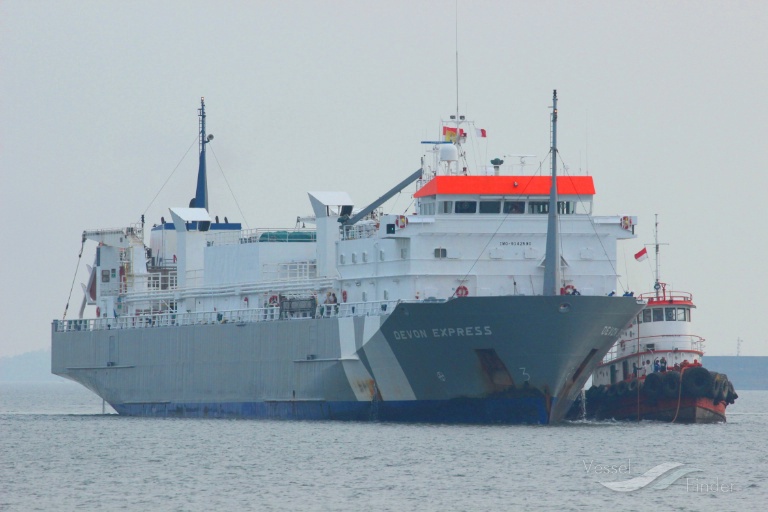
485,411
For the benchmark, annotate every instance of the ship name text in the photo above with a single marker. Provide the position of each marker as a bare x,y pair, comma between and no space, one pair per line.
446,332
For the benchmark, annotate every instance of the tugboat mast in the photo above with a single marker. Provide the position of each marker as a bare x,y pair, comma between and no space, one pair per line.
552,278
657,284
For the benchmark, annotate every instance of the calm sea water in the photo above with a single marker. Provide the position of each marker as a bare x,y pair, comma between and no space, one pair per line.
59,452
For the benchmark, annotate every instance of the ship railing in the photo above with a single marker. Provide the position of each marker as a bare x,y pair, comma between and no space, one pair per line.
252,236
236,316
691,342
347,309
293,287
360,230
154,282
135,231
664,295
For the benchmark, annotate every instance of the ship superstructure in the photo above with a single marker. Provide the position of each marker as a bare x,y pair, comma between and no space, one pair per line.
461,311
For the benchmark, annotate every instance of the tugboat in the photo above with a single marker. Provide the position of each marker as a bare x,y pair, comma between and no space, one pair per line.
655,370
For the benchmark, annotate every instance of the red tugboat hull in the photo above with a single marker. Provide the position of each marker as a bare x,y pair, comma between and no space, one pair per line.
686,410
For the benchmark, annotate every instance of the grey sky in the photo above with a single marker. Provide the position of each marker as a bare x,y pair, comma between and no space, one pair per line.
662,102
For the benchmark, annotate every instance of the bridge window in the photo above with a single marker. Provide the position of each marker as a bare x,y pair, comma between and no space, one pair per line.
445,207
565,207
490,206
514,207
658,314
466,207
583,207
647,315
428,208
683,315
670,314
538,207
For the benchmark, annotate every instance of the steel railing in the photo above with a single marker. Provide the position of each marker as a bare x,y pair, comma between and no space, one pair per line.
237,316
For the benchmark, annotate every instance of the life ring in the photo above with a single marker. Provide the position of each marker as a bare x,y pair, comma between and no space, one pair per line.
273,300
344,295
462,291
626,222
98,312
402,221
569,289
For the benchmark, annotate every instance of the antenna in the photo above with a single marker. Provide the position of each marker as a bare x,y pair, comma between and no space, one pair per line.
457,70
522,158
657,284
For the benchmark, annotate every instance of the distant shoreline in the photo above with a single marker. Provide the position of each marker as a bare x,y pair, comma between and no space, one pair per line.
28,367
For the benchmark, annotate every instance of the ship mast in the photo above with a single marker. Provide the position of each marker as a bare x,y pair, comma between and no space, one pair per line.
552,278
657,284
201,194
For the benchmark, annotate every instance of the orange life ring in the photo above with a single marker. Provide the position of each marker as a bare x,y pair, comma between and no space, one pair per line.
402,221
626,222
344,295
462,291
569,289
98,312
273,300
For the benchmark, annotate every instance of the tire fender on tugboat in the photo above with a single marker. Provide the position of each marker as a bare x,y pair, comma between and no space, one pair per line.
653,385
697,382
671,384
720,389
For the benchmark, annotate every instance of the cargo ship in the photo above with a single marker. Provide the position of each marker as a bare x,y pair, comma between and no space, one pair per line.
655,371
487,303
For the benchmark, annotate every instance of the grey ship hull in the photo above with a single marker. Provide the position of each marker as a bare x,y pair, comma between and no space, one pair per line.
474,359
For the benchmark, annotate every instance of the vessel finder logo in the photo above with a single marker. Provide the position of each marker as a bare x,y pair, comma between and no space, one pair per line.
658,478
